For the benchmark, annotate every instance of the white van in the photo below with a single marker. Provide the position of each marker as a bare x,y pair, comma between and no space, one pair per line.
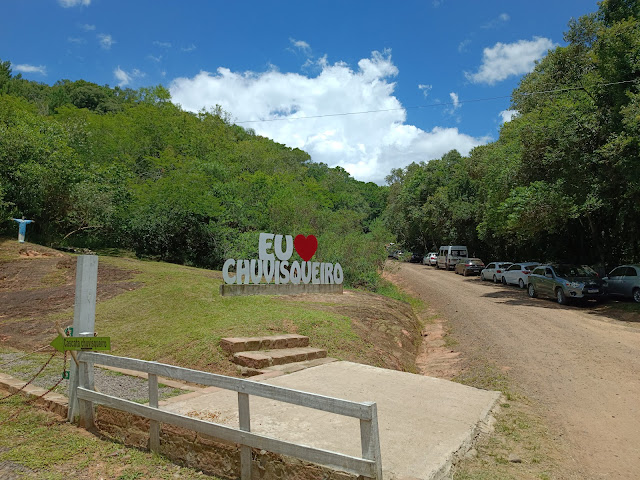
449,255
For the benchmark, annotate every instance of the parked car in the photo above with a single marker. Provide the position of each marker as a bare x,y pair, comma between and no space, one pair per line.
449,255
415,258
624,281
518,273
430,258
469,266
564,282
494,271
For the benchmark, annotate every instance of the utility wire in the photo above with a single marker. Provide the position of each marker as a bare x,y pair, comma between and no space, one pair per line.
442,104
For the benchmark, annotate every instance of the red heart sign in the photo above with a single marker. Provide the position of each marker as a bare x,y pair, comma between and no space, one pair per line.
306,246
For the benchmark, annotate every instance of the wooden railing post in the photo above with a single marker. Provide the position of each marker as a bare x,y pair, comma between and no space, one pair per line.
154,426
245,425
85,407
370,440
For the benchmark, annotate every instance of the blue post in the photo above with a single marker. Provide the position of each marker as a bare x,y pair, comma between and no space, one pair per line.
22,228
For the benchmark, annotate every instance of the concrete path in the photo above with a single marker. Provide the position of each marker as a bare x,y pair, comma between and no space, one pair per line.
424,422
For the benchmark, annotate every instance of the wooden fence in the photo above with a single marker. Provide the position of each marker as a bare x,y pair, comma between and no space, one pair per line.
370,465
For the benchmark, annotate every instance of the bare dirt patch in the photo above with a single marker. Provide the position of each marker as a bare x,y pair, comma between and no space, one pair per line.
389,326
36,282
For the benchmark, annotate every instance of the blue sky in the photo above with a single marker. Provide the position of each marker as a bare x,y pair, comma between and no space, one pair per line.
423,68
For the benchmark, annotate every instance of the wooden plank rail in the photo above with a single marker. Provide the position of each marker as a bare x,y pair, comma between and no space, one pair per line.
370,465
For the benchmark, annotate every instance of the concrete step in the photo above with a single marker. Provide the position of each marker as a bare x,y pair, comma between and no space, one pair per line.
269,358
251,344
269,372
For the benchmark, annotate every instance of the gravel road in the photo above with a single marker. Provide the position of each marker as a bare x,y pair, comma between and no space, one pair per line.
582,369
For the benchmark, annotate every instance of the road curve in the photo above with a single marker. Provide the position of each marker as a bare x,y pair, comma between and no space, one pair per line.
581,368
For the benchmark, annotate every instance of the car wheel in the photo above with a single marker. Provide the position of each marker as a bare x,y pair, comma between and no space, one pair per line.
464,272
636,295
482,276
520,283
532,291
561,297
504,280
495,279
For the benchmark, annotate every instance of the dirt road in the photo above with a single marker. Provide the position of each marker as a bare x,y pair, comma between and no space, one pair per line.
581,368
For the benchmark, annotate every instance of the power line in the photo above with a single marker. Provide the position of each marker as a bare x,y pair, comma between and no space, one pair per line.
440,104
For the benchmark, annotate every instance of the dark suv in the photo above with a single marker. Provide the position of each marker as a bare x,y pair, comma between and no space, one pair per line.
564,282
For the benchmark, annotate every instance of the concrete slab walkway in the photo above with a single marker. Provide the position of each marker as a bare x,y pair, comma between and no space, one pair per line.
424,422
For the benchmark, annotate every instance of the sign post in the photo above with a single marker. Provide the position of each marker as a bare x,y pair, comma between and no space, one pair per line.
84,319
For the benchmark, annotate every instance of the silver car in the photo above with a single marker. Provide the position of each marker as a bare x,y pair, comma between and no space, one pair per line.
624,281
564,282
494,271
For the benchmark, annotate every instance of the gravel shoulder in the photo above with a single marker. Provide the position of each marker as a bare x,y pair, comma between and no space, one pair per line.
579,368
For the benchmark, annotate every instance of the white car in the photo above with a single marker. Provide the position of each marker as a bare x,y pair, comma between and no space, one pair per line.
518,274
430,259
494,271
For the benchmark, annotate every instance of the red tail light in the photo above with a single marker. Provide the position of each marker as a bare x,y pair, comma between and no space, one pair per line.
498,271
526,272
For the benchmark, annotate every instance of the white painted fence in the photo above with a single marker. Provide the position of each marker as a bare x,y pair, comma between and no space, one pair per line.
370,465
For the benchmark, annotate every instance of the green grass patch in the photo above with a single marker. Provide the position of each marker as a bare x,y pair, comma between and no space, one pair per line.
64,451
390,290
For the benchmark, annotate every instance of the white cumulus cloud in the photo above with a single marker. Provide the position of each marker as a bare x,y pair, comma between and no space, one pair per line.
74,3
320,114
506,59
26,68
507,115
106,40
125,78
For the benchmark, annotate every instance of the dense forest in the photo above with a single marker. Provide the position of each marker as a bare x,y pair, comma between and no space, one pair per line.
562,182
107,167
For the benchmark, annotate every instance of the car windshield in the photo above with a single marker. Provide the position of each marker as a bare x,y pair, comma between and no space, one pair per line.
458,253
575,271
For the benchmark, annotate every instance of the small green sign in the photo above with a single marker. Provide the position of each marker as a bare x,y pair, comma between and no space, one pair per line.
81,343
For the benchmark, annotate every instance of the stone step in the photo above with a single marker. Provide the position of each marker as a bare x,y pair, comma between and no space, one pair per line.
252,344
269,358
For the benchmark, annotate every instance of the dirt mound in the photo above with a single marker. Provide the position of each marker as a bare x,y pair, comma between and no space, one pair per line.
37,281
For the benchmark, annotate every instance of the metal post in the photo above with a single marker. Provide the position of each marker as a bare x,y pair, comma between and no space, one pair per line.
245,424
370,440
154,426
84,318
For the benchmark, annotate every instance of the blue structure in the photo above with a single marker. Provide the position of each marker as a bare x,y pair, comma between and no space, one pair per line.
22,228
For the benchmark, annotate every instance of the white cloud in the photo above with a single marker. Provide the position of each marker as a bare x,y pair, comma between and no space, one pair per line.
506,59
462,46
301,44
162,44
25,68
87,28
496,22
425,89
74,3
454,100
106,41
367,145
124,78
507,115
155,59
190,48
76,40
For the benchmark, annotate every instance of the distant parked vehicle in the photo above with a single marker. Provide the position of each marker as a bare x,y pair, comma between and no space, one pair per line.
518,273
415,258
564,282
624,281
469,266
494,271
450,255
430,258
